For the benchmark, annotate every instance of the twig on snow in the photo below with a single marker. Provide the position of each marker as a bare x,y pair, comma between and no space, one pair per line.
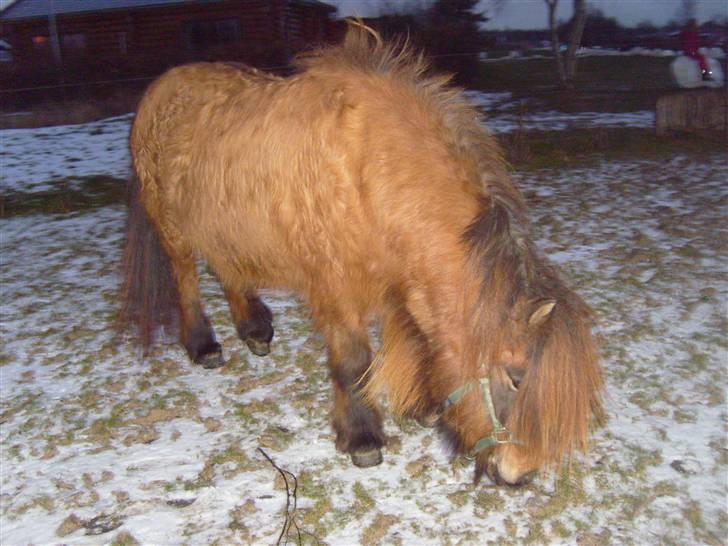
291,505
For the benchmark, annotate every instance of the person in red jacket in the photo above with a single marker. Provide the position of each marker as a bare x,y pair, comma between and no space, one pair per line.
690,42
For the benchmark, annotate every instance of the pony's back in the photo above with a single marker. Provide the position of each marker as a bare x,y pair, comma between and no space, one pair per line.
342,154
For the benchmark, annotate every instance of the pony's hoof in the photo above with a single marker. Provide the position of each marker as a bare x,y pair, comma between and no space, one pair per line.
257,347
365,459
210,360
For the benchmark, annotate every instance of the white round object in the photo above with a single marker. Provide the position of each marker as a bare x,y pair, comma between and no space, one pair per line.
686,73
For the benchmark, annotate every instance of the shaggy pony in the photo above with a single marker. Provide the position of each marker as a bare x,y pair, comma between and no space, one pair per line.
372,189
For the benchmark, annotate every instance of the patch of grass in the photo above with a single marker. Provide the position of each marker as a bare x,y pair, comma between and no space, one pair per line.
510,526
309,363
375,533
67,195
232,460
721,451
251,412
104,102
314,518
560,530
634,505
694,515
237,521
27,401
644,458
569,491
250,382
486,502
105,428
363,501
276,437
43,501
6,358
681,415
665,489
534,150
641,399
587,538
459,498
536,534
321,517
161,371
603,83
125,538
175,399
419,467
698,361
89,399
69,525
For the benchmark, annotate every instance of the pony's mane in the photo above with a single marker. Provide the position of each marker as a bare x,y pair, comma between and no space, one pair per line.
364,50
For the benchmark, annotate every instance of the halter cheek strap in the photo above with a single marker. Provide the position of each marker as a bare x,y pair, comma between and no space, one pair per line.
500,434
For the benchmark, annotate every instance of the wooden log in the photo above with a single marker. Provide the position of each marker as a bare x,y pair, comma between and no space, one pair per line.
694,110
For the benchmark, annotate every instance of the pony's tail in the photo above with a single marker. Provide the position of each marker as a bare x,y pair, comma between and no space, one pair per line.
148,291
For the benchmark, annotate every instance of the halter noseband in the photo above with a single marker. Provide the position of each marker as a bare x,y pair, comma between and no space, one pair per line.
500,434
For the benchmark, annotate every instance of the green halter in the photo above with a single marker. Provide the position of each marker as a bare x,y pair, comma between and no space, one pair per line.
500,434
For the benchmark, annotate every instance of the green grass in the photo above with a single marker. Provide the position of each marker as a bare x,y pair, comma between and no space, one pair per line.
533,150
124,539
363,500
87,193
603,83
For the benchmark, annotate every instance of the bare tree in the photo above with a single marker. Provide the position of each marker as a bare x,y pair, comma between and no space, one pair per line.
566,64
686,11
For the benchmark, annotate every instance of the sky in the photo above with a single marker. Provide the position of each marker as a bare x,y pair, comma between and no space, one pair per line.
533,13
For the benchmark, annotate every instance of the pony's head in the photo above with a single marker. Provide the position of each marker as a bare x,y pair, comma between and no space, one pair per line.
534,378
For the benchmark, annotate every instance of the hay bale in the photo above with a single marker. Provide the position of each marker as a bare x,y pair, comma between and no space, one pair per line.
694,110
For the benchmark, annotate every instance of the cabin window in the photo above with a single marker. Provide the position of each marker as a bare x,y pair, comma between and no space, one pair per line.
40,42
123,46
201,35
73,42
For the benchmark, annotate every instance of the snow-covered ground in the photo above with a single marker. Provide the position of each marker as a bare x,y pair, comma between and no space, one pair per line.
503,116
31,159
714,52
102,445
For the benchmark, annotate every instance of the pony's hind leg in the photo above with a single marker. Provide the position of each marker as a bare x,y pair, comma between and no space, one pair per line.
253,319
196,333
357,422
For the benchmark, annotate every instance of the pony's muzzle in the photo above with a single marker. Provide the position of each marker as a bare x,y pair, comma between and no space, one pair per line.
495,475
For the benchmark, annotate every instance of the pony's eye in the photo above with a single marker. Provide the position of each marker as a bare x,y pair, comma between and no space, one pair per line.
515,375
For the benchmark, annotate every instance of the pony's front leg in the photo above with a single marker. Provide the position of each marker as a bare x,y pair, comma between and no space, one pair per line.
253,319
357,422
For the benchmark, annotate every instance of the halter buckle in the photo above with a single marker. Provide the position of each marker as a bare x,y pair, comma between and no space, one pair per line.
503,436
500,434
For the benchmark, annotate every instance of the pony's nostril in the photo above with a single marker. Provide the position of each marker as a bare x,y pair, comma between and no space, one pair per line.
494,475
526,478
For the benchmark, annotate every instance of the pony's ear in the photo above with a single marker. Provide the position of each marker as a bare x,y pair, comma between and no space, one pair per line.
542,312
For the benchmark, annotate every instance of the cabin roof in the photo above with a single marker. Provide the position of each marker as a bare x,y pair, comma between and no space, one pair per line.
31,9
